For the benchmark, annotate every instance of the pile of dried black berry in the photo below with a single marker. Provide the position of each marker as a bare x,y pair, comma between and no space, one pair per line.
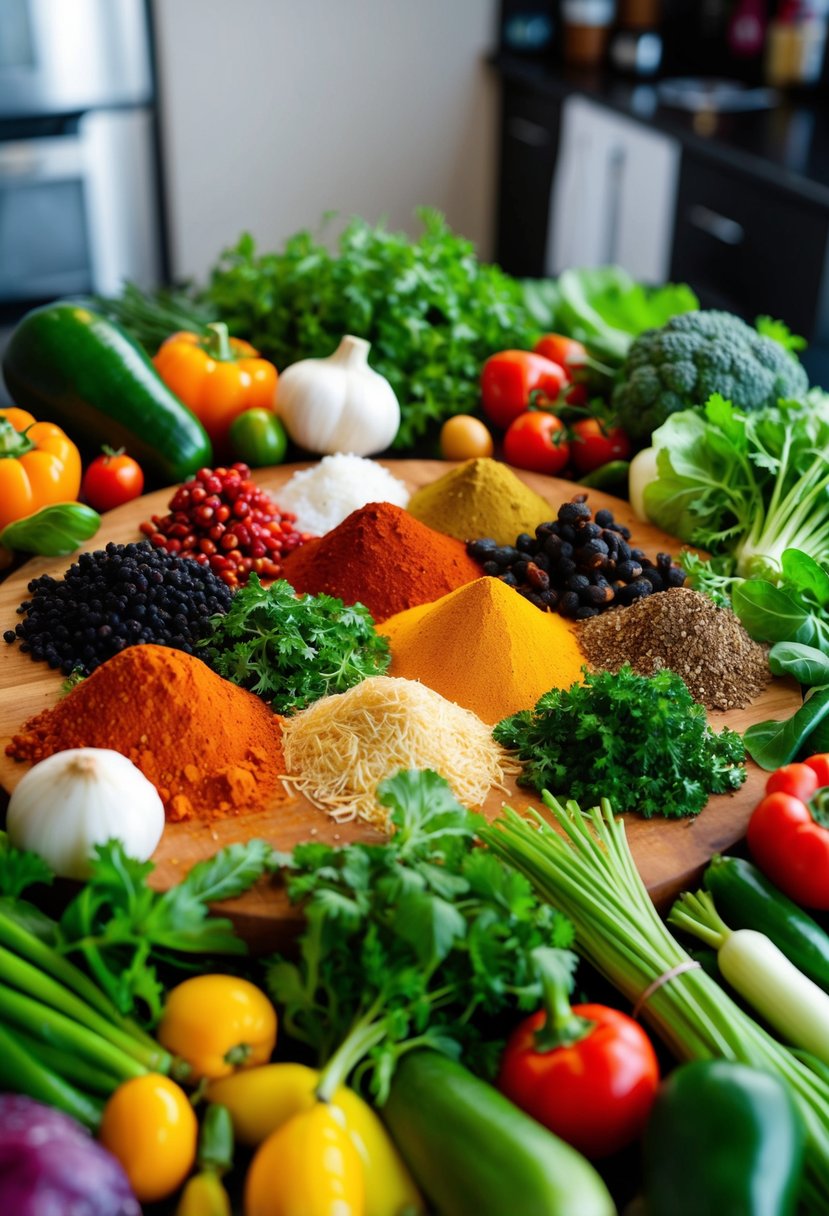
577,565
117,597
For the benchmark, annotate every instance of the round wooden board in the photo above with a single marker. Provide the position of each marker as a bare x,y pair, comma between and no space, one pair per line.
669,854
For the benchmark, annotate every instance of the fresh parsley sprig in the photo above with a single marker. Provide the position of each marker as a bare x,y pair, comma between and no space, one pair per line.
291,649
408,943
641,741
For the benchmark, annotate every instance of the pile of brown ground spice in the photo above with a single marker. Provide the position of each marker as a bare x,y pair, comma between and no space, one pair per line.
686,632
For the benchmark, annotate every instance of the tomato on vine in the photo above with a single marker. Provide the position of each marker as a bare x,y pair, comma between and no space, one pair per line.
537,440
111,479
595,444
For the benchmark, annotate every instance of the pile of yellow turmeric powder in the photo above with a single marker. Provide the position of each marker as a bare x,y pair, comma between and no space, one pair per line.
481,497
486,648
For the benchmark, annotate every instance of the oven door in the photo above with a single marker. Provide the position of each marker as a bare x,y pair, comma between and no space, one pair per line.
45,248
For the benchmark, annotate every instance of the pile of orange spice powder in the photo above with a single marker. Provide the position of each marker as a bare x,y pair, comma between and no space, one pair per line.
211,749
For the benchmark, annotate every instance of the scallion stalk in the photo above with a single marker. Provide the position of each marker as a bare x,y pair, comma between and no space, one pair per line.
586,870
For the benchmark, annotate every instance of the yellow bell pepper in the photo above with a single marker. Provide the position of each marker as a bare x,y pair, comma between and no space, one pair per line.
217,377
204,1195
218,1023
307,1167
39,465
261,1100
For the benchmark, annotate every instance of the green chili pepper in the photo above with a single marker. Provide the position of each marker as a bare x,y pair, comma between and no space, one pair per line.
54,531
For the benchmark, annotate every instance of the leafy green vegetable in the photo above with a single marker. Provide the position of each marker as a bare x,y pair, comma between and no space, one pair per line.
292,649
774,743
746,484
604,307
121,928
20,869
641,740
680,365
53,531
407,943
431,311
779,332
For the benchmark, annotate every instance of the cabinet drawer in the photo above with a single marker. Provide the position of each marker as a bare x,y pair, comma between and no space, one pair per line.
745,246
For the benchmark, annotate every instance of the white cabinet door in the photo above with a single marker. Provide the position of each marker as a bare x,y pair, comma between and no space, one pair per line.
614,194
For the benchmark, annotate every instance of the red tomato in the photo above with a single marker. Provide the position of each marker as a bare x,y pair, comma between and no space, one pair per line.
594,445
788,833
509,377
112,479
536,440
595,1093
567,352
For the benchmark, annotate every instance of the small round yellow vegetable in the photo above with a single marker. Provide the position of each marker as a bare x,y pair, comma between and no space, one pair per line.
149,1125
463,437
218,1023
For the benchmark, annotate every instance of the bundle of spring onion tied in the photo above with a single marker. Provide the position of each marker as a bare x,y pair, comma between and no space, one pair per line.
586,870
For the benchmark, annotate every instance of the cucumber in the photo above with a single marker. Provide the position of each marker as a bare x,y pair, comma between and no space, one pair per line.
747,900
476,1154
69,364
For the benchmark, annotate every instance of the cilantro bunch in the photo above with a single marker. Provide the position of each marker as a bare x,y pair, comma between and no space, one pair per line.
642,742
431,311
121,930
291,650
407,943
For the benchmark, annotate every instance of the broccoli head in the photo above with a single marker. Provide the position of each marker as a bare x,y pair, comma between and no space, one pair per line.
696,354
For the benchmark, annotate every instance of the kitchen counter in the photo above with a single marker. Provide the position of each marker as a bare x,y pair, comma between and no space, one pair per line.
787,144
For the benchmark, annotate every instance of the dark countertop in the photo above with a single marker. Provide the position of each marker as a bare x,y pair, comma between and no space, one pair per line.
787,144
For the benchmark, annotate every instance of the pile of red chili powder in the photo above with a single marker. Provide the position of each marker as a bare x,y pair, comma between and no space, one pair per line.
210,749
382,557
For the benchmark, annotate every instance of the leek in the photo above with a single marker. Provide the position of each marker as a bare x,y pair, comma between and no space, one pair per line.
585,868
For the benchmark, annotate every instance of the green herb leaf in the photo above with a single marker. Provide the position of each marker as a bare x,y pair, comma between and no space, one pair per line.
773,744
20,869
808,665
292,649
641,741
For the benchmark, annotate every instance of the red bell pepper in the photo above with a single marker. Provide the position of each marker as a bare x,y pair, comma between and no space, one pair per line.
588,1073
788,833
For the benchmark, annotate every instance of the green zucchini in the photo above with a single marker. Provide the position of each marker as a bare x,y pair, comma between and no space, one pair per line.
747,900
69,364
475,1154
723,1139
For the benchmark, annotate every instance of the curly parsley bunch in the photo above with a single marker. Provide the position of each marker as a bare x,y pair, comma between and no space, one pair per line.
291,650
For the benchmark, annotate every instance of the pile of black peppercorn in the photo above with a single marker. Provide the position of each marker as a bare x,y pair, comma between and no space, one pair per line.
577,565
116,597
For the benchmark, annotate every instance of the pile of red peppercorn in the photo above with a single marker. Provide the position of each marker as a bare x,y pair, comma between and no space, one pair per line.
224,521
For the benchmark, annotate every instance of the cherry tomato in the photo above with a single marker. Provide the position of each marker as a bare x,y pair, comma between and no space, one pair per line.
536,440
510,377
567,352
149,1125
595,1093
464,438
594,445
111,479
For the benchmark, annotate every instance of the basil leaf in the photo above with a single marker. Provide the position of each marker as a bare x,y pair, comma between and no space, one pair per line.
773,744
808,665
54,531
803,573
770,614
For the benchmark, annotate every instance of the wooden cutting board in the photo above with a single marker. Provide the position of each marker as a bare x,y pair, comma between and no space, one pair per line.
669,854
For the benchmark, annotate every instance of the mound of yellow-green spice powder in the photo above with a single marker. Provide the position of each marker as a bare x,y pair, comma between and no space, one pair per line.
480,498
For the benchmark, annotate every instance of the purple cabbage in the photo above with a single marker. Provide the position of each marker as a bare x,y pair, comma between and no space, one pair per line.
51,1166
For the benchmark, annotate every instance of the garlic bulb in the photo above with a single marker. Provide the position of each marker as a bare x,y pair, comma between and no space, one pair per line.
73,800
338,404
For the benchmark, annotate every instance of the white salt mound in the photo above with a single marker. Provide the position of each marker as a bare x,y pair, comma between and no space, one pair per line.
321,497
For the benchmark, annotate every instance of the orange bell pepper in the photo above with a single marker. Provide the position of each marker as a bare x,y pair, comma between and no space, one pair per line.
217,377
39,465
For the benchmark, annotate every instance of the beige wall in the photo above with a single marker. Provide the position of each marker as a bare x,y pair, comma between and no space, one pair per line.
275,111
